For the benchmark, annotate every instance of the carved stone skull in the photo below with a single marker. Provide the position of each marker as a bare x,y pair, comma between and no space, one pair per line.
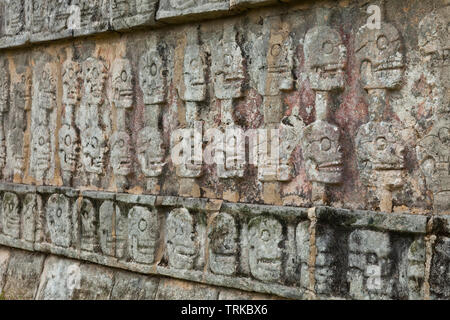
89,225
150,151
153,78
325,58
14,18
47,88
181,246
58,217
69,148
370,265
280,62
94,149
71,82
229,70
194,73
11,215
380,55
433,153
122,83
143,226
42,151
380,150
121,153
106,230
94,74
223,246
322,153
265,253
32,206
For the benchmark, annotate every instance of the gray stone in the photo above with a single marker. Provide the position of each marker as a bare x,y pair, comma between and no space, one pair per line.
170,289
143,234
23,275
175,10
96,283
129,286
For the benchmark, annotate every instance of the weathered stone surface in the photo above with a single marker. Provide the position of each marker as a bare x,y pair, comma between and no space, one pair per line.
173,10
129,286
4,260
347,115
170,289
95,283
23,275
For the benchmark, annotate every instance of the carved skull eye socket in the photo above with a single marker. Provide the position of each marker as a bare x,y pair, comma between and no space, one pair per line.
372,258
228,60
142,225
382,42
124,76
59,212
153,69
94,142
276,50
265,235
325,144
179,231
195,64
41,141
95,72
327,47
121,143
68,140
381,143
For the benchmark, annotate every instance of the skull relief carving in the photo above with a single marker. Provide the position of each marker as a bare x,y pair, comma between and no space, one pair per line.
322,153
71,82
121,153
371,265
181,246
58,217
433,153
89,225
153,78
69,148
380,152
107,229
42,151
194,73
229,75
143,234
223,246
265,254
325,58
94,75
14,18
150,152
11,215
31,210
94,147
380,53
122,83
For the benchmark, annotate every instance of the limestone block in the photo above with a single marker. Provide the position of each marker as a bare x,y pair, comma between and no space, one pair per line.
23,275
179,10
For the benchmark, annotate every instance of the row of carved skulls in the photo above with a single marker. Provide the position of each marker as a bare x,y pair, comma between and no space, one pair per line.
135,237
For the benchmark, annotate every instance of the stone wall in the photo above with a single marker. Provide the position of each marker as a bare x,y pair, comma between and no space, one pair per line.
349,200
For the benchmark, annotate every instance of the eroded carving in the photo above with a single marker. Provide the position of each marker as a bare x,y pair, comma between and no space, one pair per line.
14,18
265,253
143,226
31,210
11,215
89,225
433,154
112,230
371,265
379,145
58,217
223,245
181,245
4,108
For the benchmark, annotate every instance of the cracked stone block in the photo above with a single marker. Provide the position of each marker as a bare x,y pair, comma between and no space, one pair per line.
4,260
130,286
23,275
95,283
179,10
170,289
59,279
